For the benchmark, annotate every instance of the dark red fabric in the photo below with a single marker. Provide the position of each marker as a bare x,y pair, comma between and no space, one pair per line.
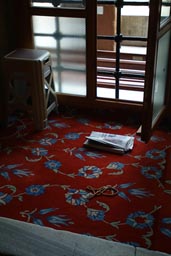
44,178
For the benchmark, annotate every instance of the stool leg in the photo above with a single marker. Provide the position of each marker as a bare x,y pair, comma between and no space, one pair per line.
51,96
54,95
39,109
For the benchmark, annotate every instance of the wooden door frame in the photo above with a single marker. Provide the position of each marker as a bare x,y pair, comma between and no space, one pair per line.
154,34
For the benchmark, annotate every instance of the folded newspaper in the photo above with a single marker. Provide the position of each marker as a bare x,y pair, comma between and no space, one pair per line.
110,142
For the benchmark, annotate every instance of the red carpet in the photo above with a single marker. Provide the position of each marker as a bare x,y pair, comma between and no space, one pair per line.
44,178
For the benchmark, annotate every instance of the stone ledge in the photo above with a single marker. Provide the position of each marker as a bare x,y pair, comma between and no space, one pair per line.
26,239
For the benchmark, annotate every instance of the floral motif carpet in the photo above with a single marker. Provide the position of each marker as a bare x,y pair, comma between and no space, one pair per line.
50,179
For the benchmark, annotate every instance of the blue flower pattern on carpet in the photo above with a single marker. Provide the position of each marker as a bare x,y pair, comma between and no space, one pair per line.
89,167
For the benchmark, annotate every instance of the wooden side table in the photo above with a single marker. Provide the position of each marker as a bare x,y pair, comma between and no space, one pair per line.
29,84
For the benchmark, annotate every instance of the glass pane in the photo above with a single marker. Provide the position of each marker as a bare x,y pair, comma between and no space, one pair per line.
106,26
165,10
65,39
127,95
136,51
139,1
134,21
130,95
59,3
161,73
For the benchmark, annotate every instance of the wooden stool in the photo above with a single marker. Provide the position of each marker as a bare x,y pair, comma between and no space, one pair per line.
29,84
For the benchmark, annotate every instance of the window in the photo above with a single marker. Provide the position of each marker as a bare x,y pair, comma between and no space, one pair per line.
65,38
121,49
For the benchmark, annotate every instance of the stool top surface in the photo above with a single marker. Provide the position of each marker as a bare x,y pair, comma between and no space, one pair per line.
28,54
